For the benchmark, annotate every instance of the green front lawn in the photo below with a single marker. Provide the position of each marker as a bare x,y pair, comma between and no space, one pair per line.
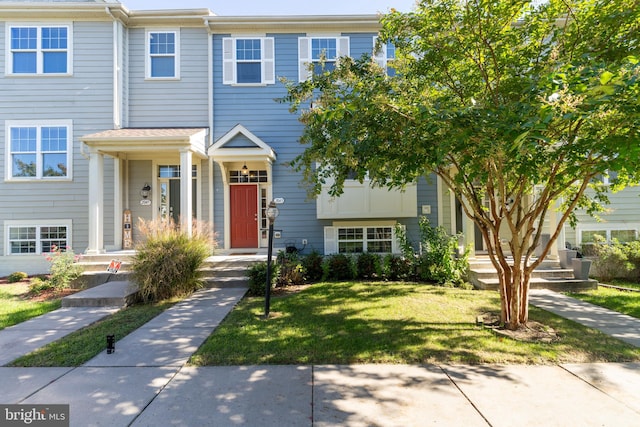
353,322
16,305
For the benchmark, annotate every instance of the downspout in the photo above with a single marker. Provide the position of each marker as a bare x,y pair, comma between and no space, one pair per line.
117,122
121,198
210,106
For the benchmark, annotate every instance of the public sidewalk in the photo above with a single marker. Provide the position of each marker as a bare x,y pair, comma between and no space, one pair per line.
145,383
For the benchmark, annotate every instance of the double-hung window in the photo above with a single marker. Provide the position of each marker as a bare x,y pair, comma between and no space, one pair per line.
38,150
322,52
31,238
39,50
365,239
163,55
384,55
248,60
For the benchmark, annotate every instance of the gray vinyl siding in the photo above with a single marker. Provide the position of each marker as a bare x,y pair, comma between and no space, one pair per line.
623,213
86,98
170,103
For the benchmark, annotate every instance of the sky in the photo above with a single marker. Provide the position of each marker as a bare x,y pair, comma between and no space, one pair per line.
276,7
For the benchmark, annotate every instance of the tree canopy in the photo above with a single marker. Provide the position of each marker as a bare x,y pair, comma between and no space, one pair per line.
515,106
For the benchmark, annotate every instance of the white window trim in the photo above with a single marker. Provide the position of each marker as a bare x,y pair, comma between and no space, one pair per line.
38,224
331,242
147,53
267,60
9,124
607,228
380,55
8,70
304,53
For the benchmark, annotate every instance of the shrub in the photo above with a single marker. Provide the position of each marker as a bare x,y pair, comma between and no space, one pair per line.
616,260
291,271
368,266
338,267
396,267
257,274
39,284
63,268
17,276
437,261
312,264
168,261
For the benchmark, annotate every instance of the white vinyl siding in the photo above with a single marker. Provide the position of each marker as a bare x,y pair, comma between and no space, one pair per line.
36,237
38,150
37,49
312,50
163,54
248,60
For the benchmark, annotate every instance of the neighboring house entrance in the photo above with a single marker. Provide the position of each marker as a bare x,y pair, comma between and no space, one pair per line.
244,216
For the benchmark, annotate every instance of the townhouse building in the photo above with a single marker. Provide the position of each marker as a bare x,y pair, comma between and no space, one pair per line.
108,115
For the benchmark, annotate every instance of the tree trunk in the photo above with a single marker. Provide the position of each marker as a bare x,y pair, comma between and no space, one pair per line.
515,303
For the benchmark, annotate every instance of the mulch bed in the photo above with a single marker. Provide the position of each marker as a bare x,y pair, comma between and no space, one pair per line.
532,331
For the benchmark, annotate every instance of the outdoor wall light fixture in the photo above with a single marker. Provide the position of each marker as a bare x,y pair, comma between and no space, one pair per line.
111,344
146,190
271,214
245,170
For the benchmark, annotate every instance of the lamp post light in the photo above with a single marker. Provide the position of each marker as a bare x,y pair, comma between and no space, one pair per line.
271,213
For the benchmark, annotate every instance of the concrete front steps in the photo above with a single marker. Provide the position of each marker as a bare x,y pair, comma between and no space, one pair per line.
549,275
105,289
95,269
111,294
229,271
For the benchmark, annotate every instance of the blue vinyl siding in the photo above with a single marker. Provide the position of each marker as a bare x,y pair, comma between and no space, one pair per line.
255,108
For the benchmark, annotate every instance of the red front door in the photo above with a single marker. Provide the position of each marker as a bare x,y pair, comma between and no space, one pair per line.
244,216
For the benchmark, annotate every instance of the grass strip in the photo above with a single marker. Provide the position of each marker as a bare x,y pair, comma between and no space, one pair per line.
624,302
15,308
401,323
80,346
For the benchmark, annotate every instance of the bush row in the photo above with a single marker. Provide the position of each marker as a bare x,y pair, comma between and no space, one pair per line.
435,261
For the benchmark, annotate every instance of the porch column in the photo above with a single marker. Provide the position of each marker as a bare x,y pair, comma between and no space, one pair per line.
468,231
96,202
186,191
553,224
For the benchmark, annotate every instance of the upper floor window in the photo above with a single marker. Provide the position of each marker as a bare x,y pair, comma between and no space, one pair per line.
248,60
38,150
322,52
35,49
384,55
163,59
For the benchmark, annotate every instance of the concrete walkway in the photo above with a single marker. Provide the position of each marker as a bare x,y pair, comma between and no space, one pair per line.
145,383
620,326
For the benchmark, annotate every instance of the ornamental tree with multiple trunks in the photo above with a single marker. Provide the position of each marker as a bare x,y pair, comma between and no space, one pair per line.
519,108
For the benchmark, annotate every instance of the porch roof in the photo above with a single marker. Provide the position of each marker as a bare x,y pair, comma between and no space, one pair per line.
130,140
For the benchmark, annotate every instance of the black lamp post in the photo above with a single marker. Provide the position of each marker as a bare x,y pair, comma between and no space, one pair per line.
272,213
